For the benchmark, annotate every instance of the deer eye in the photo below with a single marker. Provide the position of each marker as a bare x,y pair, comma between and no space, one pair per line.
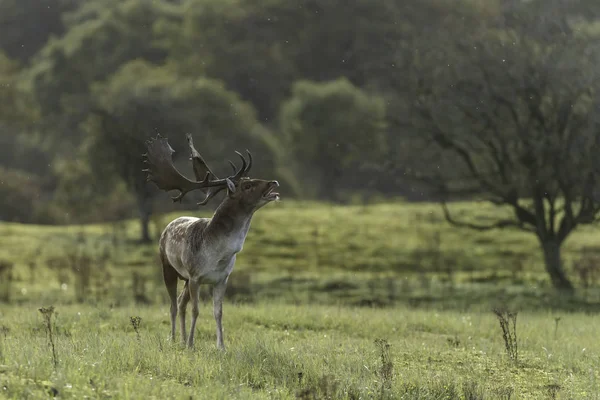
246,186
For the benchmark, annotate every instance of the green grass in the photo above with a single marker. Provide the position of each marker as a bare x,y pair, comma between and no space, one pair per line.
434,354
313,290
355,255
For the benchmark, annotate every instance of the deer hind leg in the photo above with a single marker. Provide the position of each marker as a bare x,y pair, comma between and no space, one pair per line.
218,296
182,302
194,290
171,277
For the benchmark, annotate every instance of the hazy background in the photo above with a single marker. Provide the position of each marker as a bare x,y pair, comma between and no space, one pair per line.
341,101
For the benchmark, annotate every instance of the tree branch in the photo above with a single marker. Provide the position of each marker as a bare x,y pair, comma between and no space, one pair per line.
446,142
500,224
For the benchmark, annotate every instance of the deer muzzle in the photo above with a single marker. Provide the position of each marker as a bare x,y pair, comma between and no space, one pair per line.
270,194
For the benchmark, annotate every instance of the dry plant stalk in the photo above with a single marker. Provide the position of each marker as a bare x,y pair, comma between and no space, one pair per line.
386,370
6,279
47,313
508,324
135,323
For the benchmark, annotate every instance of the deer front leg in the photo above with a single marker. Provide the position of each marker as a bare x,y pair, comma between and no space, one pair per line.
194,289
182,302
218,296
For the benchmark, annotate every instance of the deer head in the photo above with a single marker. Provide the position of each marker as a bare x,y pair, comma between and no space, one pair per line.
249,194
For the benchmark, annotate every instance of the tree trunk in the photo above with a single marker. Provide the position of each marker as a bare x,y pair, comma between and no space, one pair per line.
145,227
554,266
329,184
145,210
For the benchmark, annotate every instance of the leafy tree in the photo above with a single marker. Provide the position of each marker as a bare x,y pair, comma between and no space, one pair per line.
102,36
26,25
19,195
76,190
510,112
18,116
424,25
12,100
259,49
140,101
332,128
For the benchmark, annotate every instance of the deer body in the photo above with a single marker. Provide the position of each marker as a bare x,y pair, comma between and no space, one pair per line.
203,250
216,249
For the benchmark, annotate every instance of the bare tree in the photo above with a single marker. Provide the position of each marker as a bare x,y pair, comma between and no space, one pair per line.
511,118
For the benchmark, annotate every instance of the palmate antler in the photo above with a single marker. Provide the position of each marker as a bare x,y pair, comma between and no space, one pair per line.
163,173
201,169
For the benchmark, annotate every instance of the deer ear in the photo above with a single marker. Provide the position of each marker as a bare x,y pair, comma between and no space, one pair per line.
230,186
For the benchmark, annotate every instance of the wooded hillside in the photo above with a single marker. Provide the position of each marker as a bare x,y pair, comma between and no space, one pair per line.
339,101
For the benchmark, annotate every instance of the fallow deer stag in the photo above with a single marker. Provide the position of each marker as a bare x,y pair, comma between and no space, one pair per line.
203,250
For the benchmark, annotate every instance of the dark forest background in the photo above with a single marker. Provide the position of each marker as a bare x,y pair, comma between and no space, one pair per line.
341,101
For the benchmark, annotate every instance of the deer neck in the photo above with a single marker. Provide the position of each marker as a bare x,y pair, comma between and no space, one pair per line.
231,220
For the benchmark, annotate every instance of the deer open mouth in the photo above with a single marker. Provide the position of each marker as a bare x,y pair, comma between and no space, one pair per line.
269,194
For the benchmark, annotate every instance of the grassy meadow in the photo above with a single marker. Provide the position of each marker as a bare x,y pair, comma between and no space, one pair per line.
356,302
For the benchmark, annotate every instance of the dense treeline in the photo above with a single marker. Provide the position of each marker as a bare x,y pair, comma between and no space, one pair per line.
307,86
338,100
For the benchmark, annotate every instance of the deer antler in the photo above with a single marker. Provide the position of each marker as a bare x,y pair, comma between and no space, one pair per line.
201,169
163,173
237,175
198,164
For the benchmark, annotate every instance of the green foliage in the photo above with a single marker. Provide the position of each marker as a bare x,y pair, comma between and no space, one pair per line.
15,103
20,194
514,117
220,118
234,41
278,42
99,41
78,190
8,95
149,100
17,115
333,128
141,100
233,72
26,25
